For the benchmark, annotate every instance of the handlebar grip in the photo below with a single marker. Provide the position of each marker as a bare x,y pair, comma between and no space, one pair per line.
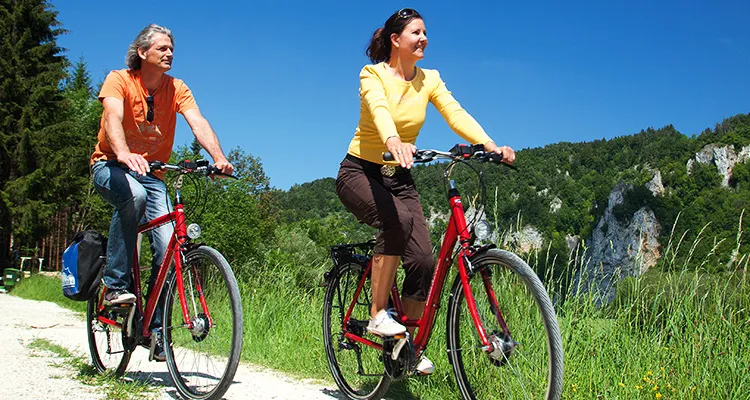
212,170
155,165
495,158
387,156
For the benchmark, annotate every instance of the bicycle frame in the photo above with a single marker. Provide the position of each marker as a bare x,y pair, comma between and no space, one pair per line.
457,231
176,243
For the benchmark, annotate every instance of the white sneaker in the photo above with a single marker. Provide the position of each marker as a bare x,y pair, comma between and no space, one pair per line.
425,366
383,325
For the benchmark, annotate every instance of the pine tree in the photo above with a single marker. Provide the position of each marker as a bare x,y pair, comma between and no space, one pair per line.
31,68
73,201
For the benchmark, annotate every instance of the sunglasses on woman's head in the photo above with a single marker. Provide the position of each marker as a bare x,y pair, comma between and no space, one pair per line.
407,13
150,112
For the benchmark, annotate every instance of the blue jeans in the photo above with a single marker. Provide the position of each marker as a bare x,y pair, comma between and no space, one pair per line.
137,200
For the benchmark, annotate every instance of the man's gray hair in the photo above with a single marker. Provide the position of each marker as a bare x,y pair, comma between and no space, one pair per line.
143,42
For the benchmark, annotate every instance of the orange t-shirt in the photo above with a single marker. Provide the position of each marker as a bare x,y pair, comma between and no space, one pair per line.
153,139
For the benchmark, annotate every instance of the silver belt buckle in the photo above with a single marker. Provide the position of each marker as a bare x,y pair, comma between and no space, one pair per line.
388,170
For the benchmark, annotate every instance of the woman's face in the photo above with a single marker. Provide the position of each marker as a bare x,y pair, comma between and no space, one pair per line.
412,41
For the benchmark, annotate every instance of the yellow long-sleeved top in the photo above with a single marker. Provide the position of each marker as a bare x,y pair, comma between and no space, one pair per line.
393,107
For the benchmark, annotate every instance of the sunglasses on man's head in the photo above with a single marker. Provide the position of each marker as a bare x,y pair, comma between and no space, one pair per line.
150,112
407,13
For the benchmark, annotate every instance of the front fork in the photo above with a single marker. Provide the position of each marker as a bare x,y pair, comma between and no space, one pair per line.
490,344
197,286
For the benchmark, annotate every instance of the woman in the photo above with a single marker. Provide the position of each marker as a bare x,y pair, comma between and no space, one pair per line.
394,93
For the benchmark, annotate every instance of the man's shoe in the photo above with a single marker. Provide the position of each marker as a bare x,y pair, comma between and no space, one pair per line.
157,346
425,367
383,325
119,296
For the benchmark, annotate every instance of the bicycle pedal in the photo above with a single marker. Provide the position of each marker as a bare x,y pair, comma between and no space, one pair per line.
152,355
151,350
107,303
397,348
120,308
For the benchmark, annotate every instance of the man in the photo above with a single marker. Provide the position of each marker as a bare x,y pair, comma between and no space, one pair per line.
138,126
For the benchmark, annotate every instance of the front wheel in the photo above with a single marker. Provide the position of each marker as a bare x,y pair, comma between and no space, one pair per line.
106,337
520,323
203,352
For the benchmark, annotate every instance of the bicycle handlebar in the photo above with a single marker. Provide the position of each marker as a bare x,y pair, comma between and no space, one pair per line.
188,167
458,152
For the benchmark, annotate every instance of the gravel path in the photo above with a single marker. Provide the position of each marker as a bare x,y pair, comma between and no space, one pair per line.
32,374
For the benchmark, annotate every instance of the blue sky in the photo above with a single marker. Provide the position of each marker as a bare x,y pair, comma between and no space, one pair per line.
280,79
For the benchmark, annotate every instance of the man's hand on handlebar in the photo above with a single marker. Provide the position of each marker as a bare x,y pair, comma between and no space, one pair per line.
224,166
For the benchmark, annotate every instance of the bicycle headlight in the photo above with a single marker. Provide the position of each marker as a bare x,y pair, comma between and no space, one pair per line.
482,230
194,231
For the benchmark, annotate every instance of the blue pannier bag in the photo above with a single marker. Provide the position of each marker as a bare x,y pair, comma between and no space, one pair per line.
83,262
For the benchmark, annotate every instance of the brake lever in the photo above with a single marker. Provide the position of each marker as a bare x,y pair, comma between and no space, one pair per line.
425,156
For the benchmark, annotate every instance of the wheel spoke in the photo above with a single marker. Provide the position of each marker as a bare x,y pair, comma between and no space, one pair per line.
203,360
520,370
356,368
108,351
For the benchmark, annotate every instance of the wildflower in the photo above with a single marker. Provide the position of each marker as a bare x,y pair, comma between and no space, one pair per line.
646,379
622,385
639,387
649,373
666,349
658,395
574,387
656,387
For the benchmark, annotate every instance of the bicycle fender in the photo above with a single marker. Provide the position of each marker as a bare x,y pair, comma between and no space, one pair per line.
477,254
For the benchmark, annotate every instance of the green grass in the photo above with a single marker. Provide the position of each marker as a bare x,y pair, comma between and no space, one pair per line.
676,335
682,337
46,288
110,386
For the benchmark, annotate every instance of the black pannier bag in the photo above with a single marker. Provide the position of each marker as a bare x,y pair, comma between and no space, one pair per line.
83,261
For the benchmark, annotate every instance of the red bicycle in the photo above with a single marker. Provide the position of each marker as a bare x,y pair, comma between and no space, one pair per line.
503,340
202,318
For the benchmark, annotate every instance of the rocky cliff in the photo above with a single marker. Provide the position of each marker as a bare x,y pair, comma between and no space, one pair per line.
618,250
723,157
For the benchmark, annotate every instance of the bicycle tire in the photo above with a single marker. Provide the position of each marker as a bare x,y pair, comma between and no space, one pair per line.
106,345
349,372
217,346
533,369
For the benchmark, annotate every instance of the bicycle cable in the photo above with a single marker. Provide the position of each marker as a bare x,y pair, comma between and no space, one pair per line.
478,213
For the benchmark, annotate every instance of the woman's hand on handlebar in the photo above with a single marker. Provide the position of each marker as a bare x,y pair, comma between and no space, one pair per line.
509,156
403,153
135,162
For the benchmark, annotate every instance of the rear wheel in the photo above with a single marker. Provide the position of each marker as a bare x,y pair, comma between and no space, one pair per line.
527,362
202,360
106,339
356,368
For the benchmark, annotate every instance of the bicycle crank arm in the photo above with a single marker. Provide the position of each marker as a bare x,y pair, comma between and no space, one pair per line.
131,329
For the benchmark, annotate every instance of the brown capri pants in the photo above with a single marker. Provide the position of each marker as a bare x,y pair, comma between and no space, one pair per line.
392,205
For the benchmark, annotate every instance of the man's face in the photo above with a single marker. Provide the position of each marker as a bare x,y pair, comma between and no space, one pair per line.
159,54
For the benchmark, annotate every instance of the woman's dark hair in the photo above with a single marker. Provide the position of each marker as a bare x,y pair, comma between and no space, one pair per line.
380,45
